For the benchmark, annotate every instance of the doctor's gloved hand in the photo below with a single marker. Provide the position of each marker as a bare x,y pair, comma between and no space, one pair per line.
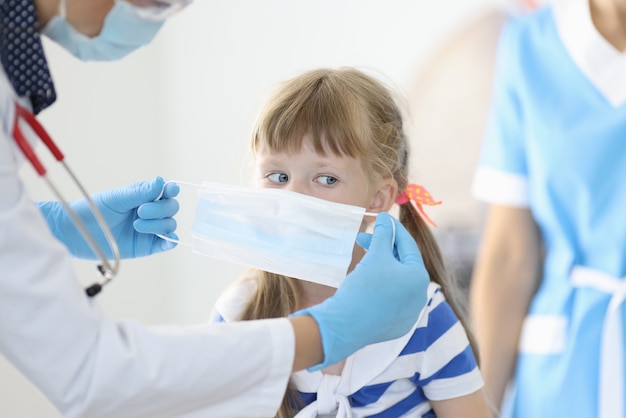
132,214
380,300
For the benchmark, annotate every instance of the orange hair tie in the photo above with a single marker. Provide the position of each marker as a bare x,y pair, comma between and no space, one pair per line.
419,196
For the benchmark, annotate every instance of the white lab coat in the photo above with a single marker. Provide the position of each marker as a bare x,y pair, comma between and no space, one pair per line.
90,366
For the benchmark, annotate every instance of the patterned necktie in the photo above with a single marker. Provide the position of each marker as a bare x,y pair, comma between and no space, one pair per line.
22,55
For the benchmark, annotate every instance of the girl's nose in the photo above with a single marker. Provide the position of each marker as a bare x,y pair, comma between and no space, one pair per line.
297,186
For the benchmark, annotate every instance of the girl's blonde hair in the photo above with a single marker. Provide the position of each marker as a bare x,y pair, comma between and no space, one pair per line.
344,112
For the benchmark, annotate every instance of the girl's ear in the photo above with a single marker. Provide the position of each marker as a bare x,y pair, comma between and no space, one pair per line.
385,195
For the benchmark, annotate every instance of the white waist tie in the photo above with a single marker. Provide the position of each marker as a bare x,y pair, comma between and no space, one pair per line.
611,378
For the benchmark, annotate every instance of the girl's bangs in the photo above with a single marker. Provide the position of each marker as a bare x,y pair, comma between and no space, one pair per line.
322,118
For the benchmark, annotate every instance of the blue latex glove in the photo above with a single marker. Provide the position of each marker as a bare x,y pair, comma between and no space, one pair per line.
131,213
380,300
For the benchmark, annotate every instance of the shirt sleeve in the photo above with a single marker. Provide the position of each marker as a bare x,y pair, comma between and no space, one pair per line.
232,303
501,176
448,368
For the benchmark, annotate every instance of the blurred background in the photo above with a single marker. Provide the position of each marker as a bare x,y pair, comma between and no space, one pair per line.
184,106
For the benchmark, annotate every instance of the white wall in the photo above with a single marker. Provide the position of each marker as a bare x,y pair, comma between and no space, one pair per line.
183,108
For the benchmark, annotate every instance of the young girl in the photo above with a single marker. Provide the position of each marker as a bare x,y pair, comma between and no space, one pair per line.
338,135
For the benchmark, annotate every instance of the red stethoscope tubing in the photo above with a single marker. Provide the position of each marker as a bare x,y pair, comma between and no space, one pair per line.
23,144
107,270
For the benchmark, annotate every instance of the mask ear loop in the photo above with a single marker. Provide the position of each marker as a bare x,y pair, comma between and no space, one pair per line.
174,182
165,237
175,241
393,227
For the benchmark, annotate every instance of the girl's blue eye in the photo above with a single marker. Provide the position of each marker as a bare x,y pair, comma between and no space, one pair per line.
278,177
327,180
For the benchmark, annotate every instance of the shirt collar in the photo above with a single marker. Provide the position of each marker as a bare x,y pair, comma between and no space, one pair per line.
598,60
367,364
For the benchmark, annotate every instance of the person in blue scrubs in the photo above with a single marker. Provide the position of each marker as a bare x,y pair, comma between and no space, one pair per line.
548,289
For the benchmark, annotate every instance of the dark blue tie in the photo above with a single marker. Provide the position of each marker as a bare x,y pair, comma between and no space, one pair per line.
22,55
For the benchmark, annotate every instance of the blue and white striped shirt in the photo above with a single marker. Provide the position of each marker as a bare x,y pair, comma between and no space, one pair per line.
397,378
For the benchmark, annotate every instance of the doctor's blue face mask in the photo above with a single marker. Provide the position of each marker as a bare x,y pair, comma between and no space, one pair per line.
126,28
278,231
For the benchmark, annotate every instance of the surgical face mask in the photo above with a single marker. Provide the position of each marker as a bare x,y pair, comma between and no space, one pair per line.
277,231
126,28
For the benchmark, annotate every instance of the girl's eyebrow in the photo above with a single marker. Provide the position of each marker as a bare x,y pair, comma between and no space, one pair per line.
265,161
329,167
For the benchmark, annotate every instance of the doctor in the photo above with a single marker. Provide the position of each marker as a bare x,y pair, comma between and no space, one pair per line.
90,366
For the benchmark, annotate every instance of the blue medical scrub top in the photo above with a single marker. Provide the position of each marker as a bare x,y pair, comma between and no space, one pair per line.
556,143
